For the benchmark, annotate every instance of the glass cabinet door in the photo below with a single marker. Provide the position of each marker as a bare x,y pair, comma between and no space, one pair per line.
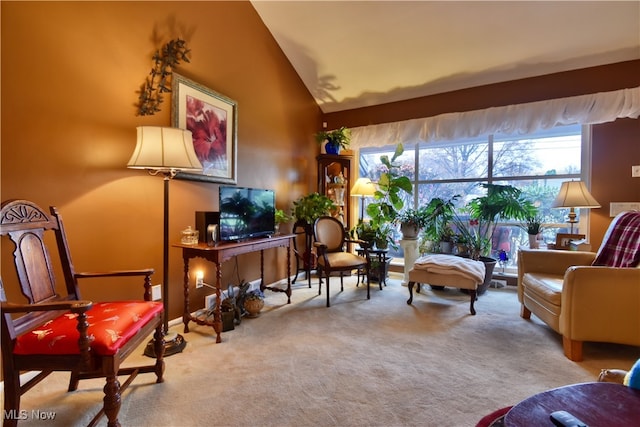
334,175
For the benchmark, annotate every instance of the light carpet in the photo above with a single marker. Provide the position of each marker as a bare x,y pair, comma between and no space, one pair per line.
358,363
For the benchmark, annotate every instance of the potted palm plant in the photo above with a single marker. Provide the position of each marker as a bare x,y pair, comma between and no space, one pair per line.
501,202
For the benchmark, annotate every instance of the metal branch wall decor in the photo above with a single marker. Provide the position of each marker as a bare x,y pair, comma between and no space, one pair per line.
157,83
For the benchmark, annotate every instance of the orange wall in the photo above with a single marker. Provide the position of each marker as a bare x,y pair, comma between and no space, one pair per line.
616,145
70,76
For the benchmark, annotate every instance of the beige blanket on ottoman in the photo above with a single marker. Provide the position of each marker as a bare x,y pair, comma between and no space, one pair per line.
452,265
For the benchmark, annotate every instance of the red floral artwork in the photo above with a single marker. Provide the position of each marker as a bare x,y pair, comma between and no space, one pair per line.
208,125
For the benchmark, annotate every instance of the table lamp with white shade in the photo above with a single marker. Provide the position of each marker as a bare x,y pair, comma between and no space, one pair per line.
574,194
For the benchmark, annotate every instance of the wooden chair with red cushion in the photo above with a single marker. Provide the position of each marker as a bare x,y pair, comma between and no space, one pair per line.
56,332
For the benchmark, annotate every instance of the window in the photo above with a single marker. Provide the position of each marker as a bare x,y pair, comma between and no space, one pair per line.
537,164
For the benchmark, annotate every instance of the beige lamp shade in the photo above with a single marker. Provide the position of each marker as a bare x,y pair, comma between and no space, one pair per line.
574,194
363,188
164,149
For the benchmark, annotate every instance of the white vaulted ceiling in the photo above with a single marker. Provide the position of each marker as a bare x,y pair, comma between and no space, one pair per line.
352,54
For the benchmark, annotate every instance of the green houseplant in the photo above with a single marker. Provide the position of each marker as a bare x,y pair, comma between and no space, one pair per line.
439,213
311,207
533,226
336,139
387,203
280,218
411,221
501,202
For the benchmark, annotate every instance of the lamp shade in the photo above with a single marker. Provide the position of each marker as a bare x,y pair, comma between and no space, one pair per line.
164,149
574,194
363,188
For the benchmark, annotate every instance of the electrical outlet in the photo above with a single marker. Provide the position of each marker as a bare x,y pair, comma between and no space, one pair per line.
199,282
156,292
635,171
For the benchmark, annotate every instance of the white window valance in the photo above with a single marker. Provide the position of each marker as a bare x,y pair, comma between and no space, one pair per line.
519,119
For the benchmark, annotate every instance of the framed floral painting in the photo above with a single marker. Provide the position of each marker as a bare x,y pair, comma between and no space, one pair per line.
212,119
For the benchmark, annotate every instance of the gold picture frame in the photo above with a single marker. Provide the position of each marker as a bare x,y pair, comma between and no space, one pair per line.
212,118
563,240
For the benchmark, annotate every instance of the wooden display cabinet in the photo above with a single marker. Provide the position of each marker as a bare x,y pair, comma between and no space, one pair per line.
334,176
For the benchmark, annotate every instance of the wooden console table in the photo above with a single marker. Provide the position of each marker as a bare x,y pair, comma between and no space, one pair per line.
220,253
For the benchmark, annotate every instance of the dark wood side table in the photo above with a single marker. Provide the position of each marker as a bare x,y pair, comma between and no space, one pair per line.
597,404
381,258
220,253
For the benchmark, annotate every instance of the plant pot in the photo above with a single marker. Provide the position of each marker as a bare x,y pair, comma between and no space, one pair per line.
409,231
332,148
489,265
446,247
253,307
533,241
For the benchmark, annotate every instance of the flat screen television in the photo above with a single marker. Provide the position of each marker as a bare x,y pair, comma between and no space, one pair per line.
246,213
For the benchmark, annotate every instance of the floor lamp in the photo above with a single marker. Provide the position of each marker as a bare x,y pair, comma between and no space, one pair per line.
165,151
363,188
574,194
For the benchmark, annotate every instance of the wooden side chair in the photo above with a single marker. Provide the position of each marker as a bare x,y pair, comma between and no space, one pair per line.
56,332
331,241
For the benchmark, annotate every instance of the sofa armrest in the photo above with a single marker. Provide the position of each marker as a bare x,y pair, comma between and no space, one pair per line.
601,304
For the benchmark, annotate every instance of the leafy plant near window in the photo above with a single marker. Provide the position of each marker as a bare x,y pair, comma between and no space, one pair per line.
388,202
502,202
533,225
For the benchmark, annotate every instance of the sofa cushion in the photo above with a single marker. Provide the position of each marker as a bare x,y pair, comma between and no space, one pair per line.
547,287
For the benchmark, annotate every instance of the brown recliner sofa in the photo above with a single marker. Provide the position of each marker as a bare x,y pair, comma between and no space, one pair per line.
580,300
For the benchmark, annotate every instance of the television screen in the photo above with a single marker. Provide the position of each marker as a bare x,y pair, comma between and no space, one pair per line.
246,212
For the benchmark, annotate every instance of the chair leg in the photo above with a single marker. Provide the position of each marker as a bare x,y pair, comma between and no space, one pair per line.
572,349
328,302
368,285
11,412
74,380
341,282
525,313
112,400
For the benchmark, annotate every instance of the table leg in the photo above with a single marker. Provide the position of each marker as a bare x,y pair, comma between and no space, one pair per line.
186,315
289,273
217,312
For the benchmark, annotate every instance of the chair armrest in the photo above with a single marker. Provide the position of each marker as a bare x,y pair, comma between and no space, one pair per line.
319,245
551,261
147,272
117,273
78,306
601,304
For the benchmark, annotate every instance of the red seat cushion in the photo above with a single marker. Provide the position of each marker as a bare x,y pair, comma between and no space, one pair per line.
111,324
